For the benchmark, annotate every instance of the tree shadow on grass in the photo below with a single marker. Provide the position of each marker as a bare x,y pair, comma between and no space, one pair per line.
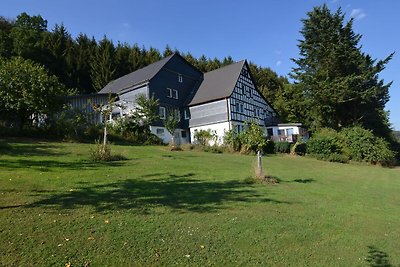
177,192
33,148
53,165
378,258
303,181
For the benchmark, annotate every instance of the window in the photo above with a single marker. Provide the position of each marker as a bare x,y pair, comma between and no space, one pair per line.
160,131
183,134
169,92
175,94
186,113
241,108
162,113
180,78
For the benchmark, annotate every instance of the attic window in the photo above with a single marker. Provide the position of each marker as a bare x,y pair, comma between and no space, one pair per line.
169,92
175,94
180,78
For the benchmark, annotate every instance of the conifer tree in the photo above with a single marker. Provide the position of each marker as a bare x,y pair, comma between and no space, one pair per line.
337,85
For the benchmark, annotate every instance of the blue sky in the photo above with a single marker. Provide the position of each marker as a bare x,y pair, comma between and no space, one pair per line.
264,32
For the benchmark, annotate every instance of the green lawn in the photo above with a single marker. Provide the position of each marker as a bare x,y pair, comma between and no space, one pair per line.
191,208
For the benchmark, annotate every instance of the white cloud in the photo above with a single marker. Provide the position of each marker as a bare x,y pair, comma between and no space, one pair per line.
278,63
126,25
358,13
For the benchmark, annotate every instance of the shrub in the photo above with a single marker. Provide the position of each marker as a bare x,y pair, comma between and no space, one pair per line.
213,149
269,148
299,148
325,142
251,140
103,153
281,147
363,145
204,137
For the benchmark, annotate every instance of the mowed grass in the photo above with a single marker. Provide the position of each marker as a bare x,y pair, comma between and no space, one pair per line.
191,209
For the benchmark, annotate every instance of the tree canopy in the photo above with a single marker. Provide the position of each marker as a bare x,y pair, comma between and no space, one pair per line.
336,84
26,89
87,64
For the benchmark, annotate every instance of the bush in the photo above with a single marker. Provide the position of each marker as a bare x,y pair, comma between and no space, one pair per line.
281,147
299,148
325,142
103,153
363,145
204,137
249,141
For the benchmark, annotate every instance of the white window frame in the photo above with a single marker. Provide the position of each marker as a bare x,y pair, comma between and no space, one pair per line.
169,94
175,94
180,78
160,131
162,112
186,114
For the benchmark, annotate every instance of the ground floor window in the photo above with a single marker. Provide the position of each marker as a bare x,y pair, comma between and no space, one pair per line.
183,134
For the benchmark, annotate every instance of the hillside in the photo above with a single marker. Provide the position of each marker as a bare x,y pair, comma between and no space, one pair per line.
191,208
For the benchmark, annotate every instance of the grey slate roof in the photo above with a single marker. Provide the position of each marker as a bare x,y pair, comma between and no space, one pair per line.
218,84
136,77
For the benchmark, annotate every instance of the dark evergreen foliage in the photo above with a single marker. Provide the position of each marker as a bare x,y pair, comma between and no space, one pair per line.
337,85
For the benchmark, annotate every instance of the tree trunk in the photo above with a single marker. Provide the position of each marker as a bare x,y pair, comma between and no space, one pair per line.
259,165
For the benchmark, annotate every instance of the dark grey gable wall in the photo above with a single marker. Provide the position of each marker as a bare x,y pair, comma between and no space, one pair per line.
167,77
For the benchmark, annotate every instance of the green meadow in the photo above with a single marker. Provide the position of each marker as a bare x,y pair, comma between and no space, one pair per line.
191,208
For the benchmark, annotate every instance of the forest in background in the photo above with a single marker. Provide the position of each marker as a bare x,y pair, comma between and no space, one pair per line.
87,65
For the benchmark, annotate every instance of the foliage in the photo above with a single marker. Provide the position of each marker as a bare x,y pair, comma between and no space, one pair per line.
102,66
102,152
205,137
281,147
363,145
299,148
88,64
135,127
325,142
171,123
355,143
26,89
73,124
338,83
251,140
146,110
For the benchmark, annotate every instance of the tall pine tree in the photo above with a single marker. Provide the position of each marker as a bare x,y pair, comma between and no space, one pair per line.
338,83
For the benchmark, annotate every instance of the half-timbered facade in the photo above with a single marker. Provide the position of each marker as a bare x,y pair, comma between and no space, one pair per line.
219,100
227,99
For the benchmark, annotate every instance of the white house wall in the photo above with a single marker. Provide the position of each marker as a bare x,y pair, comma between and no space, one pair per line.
166,137
219,128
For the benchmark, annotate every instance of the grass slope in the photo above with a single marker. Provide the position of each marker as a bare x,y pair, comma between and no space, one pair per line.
191,208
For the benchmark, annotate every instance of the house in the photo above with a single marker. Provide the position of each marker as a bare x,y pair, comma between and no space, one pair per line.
219,100
226,99
172,81
288,132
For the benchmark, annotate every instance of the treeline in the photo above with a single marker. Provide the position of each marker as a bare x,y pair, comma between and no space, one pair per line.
87,65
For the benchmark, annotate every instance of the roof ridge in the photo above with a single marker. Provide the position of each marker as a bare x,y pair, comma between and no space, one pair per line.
230,65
